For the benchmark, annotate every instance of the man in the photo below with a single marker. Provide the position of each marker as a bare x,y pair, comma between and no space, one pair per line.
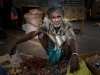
57,38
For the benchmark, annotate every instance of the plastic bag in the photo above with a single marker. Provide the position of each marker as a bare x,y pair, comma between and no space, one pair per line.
82,71
28,28
24,27
15,59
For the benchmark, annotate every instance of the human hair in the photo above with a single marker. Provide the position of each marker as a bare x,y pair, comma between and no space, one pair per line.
54,9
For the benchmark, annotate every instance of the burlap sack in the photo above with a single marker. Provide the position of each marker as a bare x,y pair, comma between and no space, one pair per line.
44,10
5,57
33,11
34,19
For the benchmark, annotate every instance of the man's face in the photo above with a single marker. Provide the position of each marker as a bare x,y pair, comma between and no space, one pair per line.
56,18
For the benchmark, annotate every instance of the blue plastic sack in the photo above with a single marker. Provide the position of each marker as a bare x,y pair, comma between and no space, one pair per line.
2,71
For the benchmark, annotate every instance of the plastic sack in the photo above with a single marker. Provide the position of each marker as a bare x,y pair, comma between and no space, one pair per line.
34,18
24,27
82,71
30,28
15,59
2,72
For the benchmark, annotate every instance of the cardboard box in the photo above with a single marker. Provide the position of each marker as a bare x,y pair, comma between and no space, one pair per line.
92,68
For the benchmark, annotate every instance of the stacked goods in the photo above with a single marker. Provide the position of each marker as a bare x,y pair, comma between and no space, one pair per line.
92,60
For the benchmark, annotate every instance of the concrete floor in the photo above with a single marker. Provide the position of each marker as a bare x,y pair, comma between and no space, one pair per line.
88,42
32,47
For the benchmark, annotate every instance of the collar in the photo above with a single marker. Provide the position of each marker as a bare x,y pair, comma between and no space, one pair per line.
61,28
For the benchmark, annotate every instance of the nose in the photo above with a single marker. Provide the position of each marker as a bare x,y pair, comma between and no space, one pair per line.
56,19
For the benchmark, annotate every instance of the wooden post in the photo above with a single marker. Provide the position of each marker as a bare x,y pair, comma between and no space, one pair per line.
81,28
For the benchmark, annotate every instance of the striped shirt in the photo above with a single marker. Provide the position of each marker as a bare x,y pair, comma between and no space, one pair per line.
65,32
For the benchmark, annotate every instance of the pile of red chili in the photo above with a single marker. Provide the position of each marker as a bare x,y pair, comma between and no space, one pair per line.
35,63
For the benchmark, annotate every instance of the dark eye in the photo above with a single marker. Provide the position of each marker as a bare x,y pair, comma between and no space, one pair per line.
58,16
52,17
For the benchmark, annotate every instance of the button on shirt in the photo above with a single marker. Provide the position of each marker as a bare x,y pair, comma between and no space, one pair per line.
65,32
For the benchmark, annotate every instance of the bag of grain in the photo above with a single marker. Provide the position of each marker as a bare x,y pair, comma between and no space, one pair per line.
34,18
33,11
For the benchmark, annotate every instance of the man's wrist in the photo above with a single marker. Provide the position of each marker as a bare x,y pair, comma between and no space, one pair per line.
75,54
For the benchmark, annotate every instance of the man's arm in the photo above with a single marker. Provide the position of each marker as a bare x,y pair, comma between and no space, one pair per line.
12,47
73,62
27,37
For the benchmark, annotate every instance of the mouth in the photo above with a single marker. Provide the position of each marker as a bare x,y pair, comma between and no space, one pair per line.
57,23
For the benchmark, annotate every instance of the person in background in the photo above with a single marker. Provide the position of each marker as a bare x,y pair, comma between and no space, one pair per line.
57,38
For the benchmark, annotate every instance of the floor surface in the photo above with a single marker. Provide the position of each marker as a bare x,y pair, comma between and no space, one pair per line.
88,42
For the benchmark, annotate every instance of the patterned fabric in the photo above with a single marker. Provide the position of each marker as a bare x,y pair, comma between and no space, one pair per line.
65,32
55,55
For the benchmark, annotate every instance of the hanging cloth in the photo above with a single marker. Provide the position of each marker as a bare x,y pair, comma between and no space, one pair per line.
13,14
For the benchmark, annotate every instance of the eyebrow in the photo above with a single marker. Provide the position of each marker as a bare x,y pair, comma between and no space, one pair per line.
55,16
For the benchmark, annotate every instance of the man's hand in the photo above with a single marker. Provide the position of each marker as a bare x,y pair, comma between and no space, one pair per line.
12,48
74,63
